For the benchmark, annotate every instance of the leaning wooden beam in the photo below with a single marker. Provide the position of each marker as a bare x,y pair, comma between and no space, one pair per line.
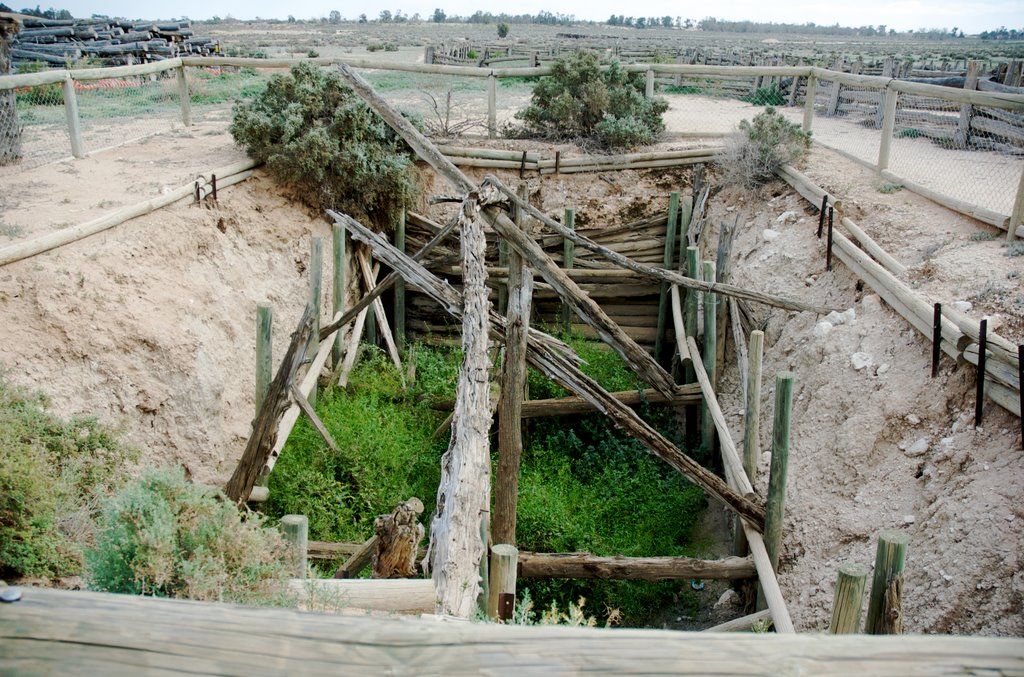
582,565
226,176
327,550
656,273
464,492
557,361
635,357
563,406
275,404
73,632
742,624
380,316
359,559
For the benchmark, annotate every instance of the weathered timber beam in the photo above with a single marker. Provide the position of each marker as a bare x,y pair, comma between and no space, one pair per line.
653,272
562,406
557,361
327,550
743,623
585,565
638,359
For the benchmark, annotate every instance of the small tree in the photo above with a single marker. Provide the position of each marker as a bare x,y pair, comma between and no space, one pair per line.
582,102
503,30
752,156
317,136
439,16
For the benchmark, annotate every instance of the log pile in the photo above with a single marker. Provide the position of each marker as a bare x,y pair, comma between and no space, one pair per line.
115,41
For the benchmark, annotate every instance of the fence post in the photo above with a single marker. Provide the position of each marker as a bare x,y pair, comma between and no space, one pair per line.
74,125
669,260
963,128
264,351
751,427
338,288
1017,215
775,510
492,106
316,271
295,529
848,599
504,565
885,607
707,423
568,251
809,96
649,84
888,127
185,97
400,287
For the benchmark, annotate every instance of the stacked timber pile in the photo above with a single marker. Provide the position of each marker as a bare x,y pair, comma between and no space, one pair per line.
116,41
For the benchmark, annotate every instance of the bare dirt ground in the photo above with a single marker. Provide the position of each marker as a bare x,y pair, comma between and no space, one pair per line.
150,326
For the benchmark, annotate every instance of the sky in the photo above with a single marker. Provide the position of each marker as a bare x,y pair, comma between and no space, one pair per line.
971,16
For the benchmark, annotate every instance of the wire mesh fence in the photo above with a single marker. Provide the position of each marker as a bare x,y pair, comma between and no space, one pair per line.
114,111
848,119
36,127
214,90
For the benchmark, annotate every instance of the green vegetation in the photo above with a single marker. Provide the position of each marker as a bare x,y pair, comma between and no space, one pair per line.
502,30
766,96
581,102
317,136
584,485
888,187
983,236
761,147
164,536
1015,249
51,474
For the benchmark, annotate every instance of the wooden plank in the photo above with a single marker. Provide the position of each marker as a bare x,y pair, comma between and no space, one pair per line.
394,595
563,406
94,633
583,565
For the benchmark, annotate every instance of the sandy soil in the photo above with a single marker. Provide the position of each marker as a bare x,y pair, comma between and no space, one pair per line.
150,326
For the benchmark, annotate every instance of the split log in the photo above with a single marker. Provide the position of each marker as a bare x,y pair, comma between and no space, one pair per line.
398,540
401,596
583,565
557,361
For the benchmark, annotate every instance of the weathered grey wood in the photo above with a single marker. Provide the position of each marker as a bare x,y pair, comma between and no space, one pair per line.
809,95
707,424
316,272
583,565
464,493
563,406
742,624
307,408
751,420
327,550
96,633
184,97
295,529
380,317
492,106
558,362
400,286
1017,215
885,609
359,559
568,251
670,251
775,512
963,128
398,540
71,113
888,128
723,274
658,273
503,571
338,290
848,599
510,404
264,351
356,596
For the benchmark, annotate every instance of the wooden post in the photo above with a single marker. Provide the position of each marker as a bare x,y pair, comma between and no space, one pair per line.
338,292
775,510
979,391
484,597
751,426
295,529
74,124
809,96
707,424
264,352
503,263
670,249
10,126
1017,215
685,217
963,128
185,97
400,286
936,338
723,274
848,599
885,610
690,320
888,128
501,602
568,251
492,106
649,84
316,271
834,90
510,404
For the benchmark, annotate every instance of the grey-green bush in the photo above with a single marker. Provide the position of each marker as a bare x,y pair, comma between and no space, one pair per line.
580,102
164,536
317,137
761,146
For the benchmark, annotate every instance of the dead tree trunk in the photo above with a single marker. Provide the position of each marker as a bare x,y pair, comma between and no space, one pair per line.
10,126
464,494
398,538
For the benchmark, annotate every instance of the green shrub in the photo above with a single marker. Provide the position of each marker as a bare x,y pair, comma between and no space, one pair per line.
503,30
766,96
580,102
752,156
51,472
316,136
161,535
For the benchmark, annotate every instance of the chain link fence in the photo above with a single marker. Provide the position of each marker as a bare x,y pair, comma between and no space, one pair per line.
846,119
115,111
38,123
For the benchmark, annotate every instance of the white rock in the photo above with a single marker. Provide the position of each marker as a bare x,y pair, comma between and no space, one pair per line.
728,598
836,318
919,447
860,361
769,235
871,302
882,369
822,329
786,217
909,519
913,419
963,306
851,315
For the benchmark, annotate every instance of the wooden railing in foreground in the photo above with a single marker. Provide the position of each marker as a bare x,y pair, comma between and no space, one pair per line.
93,633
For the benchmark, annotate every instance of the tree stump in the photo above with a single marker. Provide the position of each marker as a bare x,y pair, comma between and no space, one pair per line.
398,539
10,127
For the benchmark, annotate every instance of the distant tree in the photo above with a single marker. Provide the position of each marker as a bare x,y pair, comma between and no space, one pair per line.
399,18
291,19
362,18
641,22
503,30
688,23
385,16
666,21
439,16
882,29
416,18
5,8
334,17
